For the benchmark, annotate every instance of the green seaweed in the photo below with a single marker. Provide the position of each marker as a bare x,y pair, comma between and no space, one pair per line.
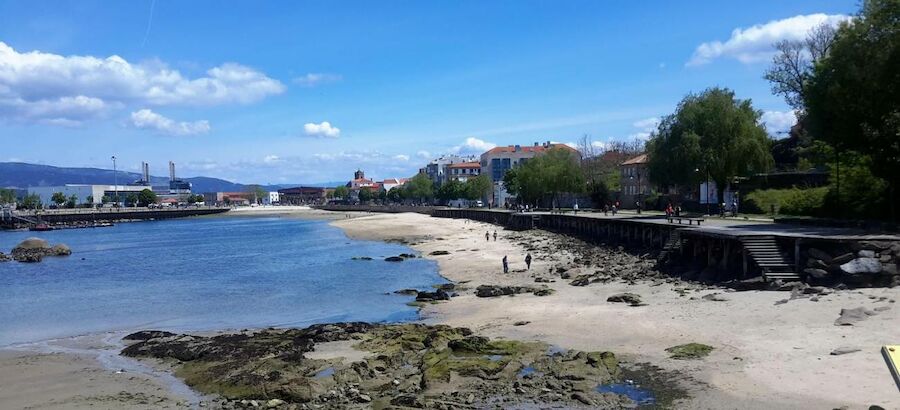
689,351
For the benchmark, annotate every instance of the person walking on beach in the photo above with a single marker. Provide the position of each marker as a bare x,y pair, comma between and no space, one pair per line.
528,261
495,236
487,236
505,265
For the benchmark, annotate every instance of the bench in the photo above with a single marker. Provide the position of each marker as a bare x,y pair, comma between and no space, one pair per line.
690,220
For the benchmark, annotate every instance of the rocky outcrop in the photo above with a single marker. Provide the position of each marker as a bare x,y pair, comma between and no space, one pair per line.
408,365
859,264
488,291
4,257
35,249
629,298
393,259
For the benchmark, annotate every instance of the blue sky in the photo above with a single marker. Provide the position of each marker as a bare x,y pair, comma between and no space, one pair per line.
291,92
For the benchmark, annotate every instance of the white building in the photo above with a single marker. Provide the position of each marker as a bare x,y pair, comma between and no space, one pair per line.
437,170
274,198
84,192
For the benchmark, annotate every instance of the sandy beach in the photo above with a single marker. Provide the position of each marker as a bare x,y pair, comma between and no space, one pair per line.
767,353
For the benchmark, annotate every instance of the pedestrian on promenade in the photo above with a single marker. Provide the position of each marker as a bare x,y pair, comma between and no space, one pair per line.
505,265
734,208
606,209
495,236
576,208
528,261
487,236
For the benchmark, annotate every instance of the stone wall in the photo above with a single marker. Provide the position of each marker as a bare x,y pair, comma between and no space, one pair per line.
854,263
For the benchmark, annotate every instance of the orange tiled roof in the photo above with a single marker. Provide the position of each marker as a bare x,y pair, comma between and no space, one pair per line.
640,159
528,148
465,165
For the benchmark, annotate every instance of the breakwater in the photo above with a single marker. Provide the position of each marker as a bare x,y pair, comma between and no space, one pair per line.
17,219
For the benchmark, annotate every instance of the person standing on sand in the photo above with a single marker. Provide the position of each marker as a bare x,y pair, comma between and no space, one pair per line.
495,236
528,261
505,265
487,236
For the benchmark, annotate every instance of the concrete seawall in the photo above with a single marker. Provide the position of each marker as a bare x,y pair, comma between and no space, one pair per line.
65,216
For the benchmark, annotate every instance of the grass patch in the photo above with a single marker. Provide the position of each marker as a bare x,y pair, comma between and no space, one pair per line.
794,201
689,351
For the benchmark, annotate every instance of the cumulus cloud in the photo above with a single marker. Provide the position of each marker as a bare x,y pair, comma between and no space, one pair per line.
322,129
314,79
272,159
755,44
37,86
423,154
472,145
401,157
777,122
645,127
149,120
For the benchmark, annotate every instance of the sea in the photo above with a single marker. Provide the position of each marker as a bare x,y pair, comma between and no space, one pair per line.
201,274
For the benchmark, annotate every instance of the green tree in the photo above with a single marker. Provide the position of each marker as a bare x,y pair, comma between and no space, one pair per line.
131,199
853,100
341,192
146,197
106,199
453,189
420,188
396,194
365,195
71,201
89,201
31,201
546,176
7,196
257,193
58,198
711,133
478,187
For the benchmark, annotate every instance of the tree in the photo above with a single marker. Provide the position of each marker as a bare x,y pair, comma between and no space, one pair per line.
546,176
89,201
31,201
146,197
453,189
600,165
257,193
131,199
341,192
853,100
478,187
711,133
71,201
7,196
106,199
396,194
420,187
58,198
794,64
365,195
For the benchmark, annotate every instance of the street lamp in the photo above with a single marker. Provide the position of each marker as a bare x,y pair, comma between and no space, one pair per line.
707,188
115,180
640,193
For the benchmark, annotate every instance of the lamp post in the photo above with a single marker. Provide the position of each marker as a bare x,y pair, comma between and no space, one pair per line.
115,180
707,188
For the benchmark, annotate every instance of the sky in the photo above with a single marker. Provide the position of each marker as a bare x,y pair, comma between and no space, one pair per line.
283,92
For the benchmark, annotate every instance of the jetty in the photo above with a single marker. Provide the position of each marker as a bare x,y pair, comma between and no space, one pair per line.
13,219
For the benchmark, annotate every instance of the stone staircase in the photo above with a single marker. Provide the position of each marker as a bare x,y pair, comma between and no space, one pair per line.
768,256
671,248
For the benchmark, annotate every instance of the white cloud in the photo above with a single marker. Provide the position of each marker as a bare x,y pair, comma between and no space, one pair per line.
472,145
37,86
646,128
272,159
314,79
569,144
423,154
322,129
149,120
778,121
401,157
601,145
755,44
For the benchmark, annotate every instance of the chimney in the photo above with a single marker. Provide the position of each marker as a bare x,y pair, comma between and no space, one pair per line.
171,171
535,144
518,147
145,172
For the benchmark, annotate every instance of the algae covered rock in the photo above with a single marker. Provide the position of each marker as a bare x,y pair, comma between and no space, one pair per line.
689,351
61,250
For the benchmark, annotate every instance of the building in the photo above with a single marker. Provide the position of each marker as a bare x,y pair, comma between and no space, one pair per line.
359,181
302,195
85,193
633,180
438,169
463,171
274,198
496,161
391,183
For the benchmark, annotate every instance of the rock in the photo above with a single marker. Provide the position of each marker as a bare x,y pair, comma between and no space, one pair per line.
715,297
274,403
521,323
438,253
842,259
849,317
862,265
866,254
844,350
889,269
583,399
4,257
565,275
407,400
819,254
361,258
816,263
32,243
147,335
543,292
487,291
407,292
630,298
31,250
816,273
581,280
689,351
61,249
431,296
407,256
363,398
393,259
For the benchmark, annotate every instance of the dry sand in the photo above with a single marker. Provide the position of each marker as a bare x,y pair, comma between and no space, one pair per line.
766,355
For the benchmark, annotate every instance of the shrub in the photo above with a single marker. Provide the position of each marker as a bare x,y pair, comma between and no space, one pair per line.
794,201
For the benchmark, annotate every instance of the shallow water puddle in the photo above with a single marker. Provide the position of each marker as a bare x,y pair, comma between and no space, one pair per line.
630,390
328,372
528,371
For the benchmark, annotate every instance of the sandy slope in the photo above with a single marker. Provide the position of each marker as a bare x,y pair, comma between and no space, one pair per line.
767,355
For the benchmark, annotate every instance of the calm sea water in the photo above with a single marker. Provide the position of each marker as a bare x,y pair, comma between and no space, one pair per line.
203,274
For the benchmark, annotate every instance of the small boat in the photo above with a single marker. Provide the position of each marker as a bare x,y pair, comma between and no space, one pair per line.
41,227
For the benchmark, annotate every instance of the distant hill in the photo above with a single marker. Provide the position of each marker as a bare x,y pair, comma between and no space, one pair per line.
21,176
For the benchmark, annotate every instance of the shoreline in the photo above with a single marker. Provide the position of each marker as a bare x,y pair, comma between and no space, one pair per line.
767,354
